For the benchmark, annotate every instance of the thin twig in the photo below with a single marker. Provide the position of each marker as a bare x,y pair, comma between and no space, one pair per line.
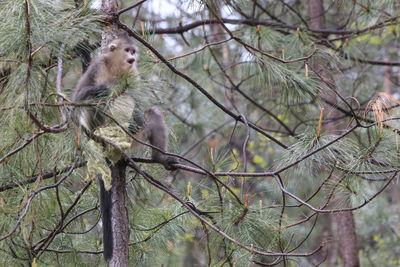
130,7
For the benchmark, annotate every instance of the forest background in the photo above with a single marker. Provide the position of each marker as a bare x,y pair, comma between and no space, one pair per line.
284,114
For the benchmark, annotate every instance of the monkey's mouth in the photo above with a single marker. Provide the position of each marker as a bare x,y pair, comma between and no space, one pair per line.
130,61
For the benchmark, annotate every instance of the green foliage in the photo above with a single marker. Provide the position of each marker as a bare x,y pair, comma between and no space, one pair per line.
279,81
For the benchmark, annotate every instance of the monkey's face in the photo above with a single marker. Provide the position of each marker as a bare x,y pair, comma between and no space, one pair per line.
123,56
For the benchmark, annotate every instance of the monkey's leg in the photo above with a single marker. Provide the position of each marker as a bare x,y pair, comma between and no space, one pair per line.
158,136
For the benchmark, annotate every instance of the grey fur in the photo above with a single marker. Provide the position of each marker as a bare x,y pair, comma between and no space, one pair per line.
95,84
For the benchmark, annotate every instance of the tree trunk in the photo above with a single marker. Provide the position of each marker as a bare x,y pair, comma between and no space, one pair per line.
119,212
109,32
119,219
388,88
347,239
344,221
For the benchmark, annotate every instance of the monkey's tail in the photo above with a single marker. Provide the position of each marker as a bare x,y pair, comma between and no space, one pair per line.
106,205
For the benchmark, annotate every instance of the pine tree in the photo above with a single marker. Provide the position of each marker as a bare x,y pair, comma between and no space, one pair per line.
277,123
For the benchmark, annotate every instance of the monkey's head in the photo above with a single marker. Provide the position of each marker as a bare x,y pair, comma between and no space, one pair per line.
121,54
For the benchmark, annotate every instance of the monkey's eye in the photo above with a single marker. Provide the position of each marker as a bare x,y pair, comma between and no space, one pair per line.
112,47
129,50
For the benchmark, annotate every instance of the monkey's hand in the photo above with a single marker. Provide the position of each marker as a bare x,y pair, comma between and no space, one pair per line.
169,162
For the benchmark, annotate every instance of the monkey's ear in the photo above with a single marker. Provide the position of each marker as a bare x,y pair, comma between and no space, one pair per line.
112,47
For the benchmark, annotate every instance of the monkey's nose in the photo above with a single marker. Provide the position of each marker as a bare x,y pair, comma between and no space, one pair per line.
130,61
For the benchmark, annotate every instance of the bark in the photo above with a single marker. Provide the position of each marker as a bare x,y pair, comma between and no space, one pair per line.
316,14
119,219
109,32
347,239
388,88
344,221
387,75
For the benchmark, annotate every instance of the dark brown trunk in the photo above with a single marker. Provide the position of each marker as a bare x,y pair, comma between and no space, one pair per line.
344,221
388,88
395,192
347,239
119,219
316,14
109,32
387,75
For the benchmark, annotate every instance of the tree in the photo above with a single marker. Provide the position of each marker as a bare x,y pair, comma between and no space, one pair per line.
343,222
242,85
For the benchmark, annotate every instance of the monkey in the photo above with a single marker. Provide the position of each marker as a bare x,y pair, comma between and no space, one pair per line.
117,60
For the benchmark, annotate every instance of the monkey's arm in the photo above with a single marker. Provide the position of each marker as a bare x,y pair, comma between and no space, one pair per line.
91,92
90,117
158,137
